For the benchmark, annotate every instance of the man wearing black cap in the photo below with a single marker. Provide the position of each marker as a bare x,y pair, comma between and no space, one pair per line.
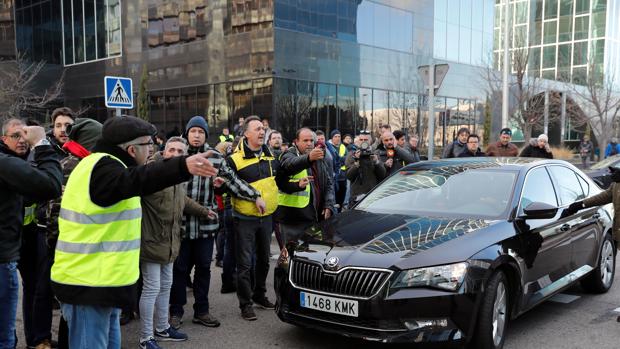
98,248
503,147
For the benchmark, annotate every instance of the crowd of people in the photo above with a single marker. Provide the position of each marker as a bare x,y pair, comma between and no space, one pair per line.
108,218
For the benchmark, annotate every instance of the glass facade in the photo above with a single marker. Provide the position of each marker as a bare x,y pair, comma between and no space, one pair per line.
565,38
463,31
324,64
38,29
91,30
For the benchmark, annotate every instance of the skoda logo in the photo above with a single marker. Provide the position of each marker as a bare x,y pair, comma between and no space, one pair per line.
332,262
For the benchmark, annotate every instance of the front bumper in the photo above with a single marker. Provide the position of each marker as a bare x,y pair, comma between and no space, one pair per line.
403,316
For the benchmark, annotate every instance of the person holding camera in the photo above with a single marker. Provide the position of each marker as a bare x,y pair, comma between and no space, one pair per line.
364,169
392,156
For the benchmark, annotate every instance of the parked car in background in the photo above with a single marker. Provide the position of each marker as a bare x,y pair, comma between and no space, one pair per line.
448,252
599,172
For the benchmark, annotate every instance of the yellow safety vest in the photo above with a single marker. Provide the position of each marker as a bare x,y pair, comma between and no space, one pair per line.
265,185
97,246
298,199
342,151
224,138
30,214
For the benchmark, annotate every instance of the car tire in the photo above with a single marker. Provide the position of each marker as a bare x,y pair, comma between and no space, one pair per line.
494,314
601,278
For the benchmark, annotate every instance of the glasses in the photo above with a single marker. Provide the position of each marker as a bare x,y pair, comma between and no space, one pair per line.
364,132
473,142
141,144
15,136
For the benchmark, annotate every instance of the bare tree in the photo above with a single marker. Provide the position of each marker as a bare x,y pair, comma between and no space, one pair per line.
19,92
599,103
526,109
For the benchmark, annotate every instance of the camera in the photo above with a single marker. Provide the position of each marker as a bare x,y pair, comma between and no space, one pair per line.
365,150
320,144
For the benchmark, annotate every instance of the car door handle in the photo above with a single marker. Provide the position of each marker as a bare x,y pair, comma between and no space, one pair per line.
565,228
596,216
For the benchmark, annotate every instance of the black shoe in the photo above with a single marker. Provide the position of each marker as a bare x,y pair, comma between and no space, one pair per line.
264,303
219,264
126,317
206,320
228,288
247,313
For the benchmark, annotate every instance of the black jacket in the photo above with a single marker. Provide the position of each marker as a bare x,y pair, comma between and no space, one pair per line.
110,183
18,179
534,151
468,154
364,174
292,160
401,158
454,149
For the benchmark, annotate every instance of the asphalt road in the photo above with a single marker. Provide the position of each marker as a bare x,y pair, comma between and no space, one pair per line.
574,319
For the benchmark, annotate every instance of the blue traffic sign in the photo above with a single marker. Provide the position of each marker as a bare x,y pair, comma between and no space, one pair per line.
118,92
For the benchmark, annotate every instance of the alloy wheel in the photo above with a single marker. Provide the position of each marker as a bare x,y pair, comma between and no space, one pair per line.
607,263
499,313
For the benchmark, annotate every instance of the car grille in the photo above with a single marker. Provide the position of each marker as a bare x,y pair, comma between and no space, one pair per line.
349,281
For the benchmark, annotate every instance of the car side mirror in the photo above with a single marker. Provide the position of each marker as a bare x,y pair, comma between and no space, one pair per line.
539,210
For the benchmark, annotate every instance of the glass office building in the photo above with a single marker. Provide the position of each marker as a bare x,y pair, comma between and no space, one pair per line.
563,37
326,64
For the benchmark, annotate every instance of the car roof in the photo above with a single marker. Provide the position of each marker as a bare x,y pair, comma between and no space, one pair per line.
503,163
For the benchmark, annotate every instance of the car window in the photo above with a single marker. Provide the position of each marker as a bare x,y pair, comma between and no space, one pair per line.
483,193
568,187
537,188
584,185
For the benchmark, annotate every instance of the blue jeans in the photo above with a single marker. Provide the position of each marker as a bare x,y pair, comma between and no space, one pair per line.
156,283
197,252
9,291
92,326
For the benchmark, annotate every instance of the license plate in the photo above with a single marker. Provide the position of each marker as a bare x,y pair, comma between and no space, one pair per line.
328,304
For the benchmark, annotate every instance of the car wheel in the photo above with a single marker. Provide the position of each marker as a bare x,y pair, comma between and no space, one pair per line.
602,277
494,314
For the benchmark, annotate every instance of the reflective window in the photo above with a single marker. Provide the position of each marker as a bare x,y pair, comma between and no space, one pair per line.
365,22
347,110
91,30
551,31
581,27
580,53
568,187
582,6
37,28
551,9
549,57
564,56
566,29
537,188
598,24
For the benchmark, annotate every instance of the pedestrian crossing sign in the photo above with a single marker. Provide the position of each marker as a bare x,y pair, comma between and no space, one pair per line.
118,92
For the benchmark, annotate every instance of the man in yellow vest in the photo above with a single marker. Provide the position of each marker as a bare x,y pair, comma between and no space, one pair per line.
98,248
254,163
226,136
299,210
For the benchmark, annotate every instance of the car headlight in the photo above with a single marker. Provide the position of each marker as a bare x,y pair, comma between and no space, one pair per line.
448,277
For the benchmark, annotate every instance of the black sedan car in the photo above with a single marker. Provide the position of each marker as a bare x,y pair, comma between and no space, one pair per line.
599,172
447,252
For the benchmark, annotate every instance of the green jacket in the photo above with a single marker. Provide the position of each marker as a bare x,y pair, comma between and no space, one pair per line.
162,218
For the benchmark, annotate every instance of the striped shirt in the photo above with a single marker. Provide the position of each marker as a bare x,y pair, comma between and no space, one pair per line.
201,190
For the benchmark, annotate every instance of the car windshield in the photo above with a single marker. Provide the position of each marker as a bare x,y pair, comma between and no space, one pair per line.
610,161
451,192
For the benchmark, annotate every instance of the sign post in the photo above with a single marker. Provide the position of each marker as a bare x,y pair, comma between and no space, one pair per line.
118,93
432,82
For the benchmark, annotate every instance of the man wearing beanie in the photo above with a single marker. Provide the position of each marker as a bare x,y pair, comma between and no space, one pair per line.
98,249
503,147
198,240
339,154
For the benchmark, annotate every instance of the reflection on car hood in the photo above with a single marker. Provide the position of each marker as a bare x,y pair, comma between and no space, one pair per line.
362,238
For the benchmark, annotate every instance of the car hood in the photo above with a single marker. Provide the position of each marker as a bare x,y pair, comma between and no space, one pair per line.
360,238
